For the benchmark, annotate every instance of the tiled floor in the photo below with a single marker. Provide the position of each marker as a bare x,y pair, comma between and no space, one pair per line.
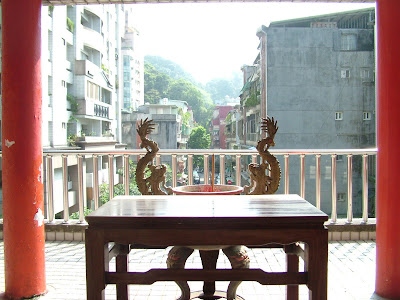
351,274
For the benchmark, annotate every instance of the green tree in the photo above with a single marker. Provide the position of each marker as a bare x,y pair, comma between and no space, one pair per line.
198,100
156,84
199,139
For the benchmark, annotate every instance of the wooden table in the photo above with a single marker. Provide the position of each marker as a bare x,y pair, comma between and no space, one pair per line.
207,220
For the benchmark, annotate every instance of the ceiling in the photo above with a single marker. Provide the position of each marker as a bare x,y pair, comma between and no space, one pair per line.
85,2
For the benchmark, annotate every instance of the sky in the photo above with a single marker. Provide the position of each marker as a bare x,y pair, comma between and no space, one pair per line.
213,40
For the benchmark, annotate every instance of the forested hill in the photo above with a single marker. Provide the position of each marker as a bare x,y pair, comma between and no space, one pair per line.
218,88
166,79
169,68
158,85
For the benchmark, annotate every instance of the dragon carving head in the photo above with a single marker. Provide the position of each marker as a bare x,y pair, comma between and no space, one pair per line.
269,125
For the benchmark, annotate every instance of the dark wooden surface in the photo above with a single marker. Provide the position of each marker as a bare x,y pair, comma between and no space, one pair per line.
208,220
181,211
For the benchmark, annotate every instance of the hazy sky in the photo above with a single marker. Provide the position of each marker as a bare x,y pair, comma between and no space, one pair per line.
212,40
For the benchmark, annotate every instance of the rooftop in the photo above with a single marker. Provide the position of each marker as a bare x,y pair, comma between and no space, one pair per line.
360,18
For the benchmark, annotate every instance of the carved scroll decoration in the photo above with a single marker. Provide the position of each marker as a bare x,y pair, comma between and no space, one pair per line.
265,177
152,184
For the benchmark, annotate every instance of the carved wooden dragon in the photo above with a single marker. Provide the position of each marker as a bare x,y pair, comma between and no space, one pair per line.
150,185
265,177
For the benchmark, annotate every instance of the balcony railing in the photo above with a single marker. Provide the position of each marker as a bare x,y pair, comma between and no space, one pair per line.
323,166
101,111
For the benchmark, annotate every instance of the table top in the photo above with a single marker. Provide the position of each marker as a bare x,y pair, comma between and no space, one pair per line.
185,211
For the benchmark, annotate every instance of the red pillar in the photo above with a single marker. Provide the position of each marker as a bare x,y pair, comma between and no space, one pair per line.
388,133
22,149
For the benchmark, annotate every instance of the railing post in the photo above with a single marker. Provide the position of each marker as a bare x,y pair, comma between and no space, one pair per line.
334,200
50,195
126,174
238,170
190,168
174,162
95,182
222,168
111,176
206,170
286,156
365,188
349,189
318,181
302,176
80,189
65,187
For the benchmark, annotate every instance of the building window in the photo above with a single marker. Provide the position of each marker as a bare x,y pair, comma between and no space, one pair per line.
92,91
345,73
349,42
364,73
63,83
341,197
156,129
252,123
338,116
367,116
126,61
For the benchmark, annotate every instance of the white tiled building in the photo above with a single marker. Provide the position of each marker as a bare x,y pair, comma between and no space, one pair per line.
82,71
133,65
83,87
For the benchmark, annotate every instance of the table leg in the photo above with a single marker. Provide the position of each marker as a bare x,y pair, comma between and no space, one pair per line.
122,265
209,261
316,264
292,265
96,264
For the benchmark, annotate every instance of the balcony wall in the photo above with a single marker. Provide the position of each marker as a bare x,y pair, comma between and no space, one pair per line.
85,67
69,37
347,226
92,38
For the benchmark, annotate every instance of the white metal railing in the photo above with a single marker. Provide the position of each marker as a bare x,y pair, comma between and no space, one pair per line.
235,157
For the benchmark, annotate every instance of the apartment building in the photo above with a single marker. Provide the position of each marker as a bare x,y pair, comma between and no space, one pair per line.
83,86
218,138
82,59
316,77
133,64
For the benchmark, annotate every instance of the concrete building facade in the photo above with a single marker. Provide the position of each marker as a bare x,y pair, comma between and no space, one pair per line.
172,129
316,77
